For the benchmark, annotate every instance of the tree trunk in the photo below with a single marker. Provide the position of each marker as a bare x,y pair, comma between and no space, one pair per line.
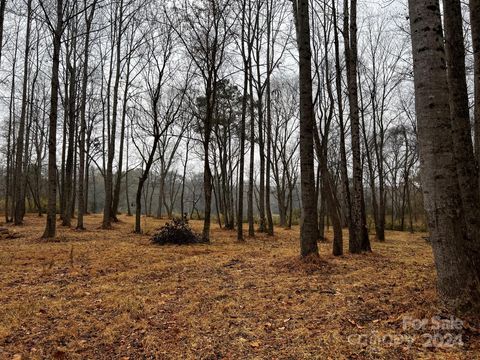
118,181
141,182
71,104
268,89
10,135
321,201
19,175
94,185
371,170
161,192
343,152
3,4
87,183
475,27
61,179
251,175
107,209
309,226
290,205
457,274
327,187
50,227
207,174
357,243
467,171
242,132
261,147
83,170
184,177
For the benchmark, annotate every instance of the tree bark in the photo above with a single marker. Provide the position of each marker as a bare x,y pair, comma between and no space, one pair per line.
241,172
19,192
118,181
251,175
467,171
107,209
3,4
358,242
50,227
184,177
343,153
268,119
457,274
71,105
475,27
10,135
141,182
83,170
309,226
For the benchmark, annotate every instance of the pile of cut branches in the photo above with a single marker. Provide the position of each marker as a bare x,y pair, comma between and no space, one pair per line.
177,232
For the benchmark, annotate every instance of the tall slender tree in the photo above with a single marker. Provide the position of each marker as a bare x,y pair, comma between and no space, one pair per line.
3,5
112,121
20,177
359,241
206,32
251,173
70,120
475,27
309,226
341,121
246,52
11,133
57,31
82,170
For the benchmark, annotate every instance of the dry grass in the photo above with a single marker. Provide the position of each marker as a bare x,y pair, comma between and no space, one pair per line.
111,294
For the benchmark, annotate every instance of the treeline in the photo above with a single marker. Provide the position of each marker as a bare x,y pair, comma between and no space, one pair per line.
398,216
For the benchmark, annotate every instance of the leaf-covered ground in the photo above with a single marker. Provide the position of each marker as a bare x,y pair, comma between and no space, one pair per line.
102,294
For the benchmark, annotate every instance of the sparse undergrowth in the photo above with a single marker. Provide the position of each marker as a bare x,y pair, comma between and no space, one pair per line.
107,295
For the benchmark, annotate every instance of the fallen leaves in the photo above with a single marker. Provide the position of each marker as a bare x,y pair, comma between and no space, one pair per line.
355,324
128,300
255,344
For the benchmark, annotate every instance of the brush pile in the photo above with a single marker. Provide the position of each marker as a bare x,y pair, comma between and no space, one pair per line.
177,232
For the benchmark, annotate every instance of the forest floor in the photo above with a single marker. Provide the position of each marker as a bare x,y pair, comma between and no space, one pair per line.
111,294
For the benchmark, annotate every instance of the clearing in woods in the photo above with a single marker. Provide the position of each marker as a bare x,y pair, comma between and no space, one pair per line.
112,294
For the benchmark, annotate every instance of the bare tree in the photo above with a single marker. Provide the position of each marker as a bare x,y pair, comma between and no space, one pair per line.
83,170
475,27
119,30
324,105
70,119
164,103
19,165
133,43
246,52
284,143
359,238
205,31
346,195
11,134
3,4
57,32
309,226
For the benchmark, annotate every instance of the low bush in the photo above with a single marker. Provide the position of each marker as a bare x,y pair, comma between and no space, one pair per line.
177,232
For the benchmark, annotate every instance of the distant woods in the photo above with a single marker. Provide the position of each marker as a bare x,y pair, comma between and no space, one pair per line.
257,112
